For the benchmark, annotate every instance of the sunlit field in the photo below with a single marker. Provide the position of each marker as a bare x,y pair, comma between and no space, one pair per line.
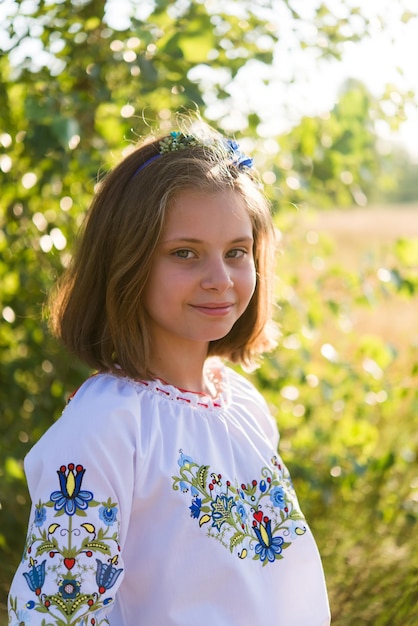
364,238
347,407
353,257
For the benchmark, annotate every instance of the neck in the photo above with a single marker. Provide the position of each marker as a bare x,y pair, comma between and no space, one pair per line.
182,370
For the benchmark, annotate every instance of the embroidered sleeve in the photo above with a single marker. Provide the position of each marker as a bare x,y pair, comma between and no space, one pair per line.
70,567
80,477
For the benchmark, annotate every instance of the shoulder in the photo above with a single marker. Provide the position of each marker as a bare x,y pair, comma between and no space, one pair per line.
242,387
105,410
102,399
245,398
105,391
101,428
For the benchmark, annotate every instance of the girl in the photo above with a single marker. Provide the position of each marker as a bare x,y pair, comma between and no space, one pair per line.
159,498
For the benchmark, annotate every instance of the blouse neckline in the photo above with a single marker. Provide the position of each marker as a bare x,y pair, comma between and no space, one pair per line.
215,373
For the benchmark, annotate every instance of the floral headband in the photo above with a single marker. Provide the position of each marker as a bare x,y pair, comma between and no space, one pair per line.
178,141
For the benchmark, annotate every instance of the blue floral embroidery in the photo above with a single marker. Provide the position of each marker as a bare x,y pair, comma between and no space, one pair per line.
241,511
221,510
277,497
40,515
23,617
184,460
195,508
107,574
108,514
69,589
269,547
70,497
260,517
36,576
66,544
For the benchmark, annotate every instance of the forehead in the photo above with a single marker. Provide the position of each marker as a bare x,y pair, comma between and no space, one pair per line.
208,212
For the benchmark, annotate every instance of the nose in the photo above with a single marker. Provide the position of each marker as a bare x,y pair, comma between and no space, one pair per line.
217,276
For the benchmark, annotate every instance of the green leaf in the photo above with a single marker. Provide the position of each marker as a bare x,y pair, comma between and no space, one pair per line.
98,546
202,474
236,539
45,547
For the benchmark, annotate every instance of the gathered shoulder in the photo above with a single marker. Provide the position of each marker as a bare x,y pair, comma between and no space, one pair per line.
104,387
103,401
250,402
241,387
105,410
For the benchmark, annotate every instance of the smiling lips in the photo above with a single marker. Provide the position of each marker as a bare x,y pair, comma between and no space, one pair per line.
215,309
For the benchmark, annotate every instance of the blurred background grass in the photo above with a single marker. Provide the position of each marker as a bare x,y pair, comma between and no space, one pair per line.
355,410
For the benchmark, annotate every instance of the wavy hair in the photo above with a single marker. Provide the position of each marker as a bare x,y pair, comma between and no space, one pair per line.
97,308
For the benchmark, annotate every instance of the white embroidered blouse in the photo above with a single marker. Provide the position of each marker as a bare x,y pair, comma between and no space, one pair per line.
159,507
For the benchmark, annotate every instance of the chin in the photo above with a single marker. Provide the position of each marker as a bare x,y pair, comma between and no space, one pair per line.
218,336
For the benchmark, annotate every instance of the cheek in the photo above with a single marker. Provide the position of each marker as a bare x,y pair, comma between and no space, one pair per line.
152,291
253,274
165,286
249,281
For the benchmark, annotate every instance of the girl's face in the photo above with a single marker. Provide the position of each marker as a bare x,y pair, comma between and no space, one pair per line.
202,273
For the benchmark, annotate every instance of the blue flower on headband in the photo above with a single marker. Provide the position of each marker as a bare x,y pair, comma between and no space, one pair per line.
239,159
176,141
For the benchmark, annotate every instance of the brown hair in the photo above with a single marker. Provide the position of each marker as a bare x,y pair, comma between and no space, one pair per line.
97,308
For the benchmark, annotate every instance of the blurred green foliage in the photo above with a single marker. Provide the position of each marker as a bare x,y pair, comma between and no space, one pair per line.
346,403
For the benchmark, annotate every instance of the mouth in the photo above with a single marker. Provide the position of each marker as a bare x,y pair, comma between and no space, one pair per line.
214,308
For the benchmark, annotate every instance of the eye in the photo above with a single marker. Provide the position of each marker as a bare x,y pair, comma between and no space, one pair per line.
236,253
184,254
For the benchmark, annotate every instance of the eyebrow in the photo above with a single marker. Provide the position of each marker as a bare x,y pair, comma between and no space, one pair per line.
242,239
